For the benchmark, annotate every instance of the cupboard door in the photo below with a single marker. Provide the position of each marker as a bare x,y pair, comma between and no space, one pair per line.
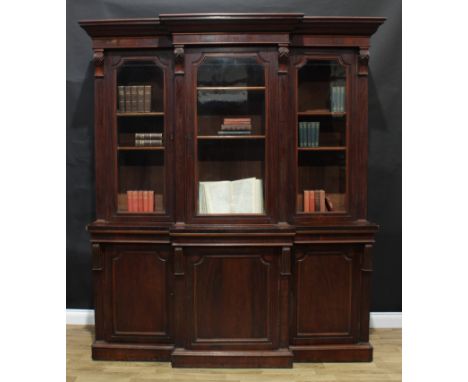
326,284
137,293
233,299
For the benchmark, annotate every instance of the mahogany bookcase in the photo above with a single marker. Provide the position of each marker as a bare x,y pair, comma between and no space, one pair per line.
281,271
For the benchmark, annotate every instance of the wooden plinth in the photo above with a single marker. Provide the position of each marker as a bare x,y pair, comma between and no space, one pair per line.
333,353
104,351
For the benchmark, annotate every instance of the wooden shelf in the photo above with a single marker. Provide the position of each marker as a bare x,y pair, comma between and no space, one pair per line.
323,148
140,148
231,88
321,113
222,137
140,114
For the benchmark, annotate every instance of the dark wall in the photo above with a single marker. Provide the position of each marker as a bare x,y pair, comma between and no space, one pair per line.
384,127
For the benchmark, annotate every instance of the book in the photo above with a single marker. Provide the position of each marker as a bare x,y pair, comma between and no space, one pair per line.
129,201
231,197
237,121
128,98
301,134
140,201
134,98
317,201
236,127
121,96
322,201
328,204
235,132
158,203
148,142
150,201
312,207
148,135
145,201
140,98
306,201
147,99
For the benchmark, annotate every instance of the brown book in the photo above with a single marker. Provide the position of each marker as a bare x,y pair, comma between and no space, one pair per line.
306,201
328,204
140,201
317,200
151,201
158,203
147,99
312,201
128,98
148,142
148,135
130,205
140,98
145,201
322,201
134,98
121,95
237,121
236,127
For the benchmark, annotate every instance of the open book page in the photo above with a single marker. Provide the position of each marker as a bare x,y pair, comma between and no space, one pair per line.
258,197
217,197
243,196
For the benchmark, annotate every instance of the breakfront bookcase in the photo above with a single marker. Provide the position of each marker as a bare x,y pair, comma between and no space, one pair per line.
222,246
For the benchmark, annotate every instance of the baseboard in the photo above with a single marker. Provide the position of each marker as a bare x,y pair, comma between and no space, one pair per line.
378,320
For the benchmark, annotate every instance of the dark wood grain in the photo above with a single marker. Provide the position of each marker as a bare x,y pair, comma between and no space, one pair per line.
248,290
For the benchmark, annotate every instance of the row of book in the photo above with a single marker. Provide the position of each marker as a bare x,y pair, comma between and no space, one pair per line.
309,134
144,201
337,98
148,139
134,99
236,126
316,201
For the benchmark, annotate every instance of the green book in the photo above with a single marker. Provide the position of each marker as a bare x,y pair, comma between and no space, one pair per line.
310,134
301,134
317,135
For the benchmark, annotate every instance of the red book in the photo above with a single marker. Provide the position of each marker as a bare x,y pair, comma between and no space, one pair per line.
312,207
151,201
306,201
145,201
140,201
129,201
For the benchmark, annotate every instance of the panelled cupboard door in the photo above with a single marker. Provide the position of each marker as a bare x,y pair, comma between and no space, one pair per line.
137,293
233,298
326,292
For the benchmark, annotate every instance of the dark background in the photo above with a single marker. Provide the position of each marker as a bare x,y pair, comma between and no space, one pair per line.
384,206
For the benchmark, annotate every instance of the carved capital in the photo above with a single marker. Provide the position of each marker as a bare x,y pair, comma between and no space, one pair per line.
96,257
178,261
363,64
179,57
283,58
285,264
98,59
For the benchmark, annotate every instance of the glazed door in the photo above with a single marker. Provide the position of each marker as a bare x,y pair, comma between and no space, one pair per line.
231,135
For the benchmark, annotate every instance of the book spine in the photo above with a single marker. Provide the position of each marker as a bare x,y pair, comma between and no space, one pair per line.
121,93
317,138
129,201
151,201
300,134
322,201
145,201
148,135
134,93
314,134
236,127
317,200
306,201
309,134
128,98
140,201
147,99
343,97
235,132
312,201
148,142
140,98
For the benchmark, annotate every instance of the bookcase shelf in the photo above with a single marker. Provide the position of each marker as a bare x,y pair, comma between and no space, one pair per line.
140,148
321,113
231,88
323,148
229,137
141,114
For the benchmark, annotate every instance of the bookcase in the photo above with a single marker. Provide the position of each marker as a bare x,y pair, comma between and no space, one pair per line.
231,189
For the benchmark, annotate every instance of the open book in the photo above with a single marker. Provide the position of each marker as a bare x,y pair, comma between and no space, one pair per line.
243,196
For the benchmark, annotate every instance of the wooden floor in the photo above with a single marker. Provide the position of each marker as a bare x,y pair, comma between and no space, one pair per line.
80,367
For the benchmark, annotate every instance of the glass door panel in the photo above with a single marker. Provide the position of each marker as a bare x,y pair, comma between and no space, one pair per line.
321,137
231,133
140,137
